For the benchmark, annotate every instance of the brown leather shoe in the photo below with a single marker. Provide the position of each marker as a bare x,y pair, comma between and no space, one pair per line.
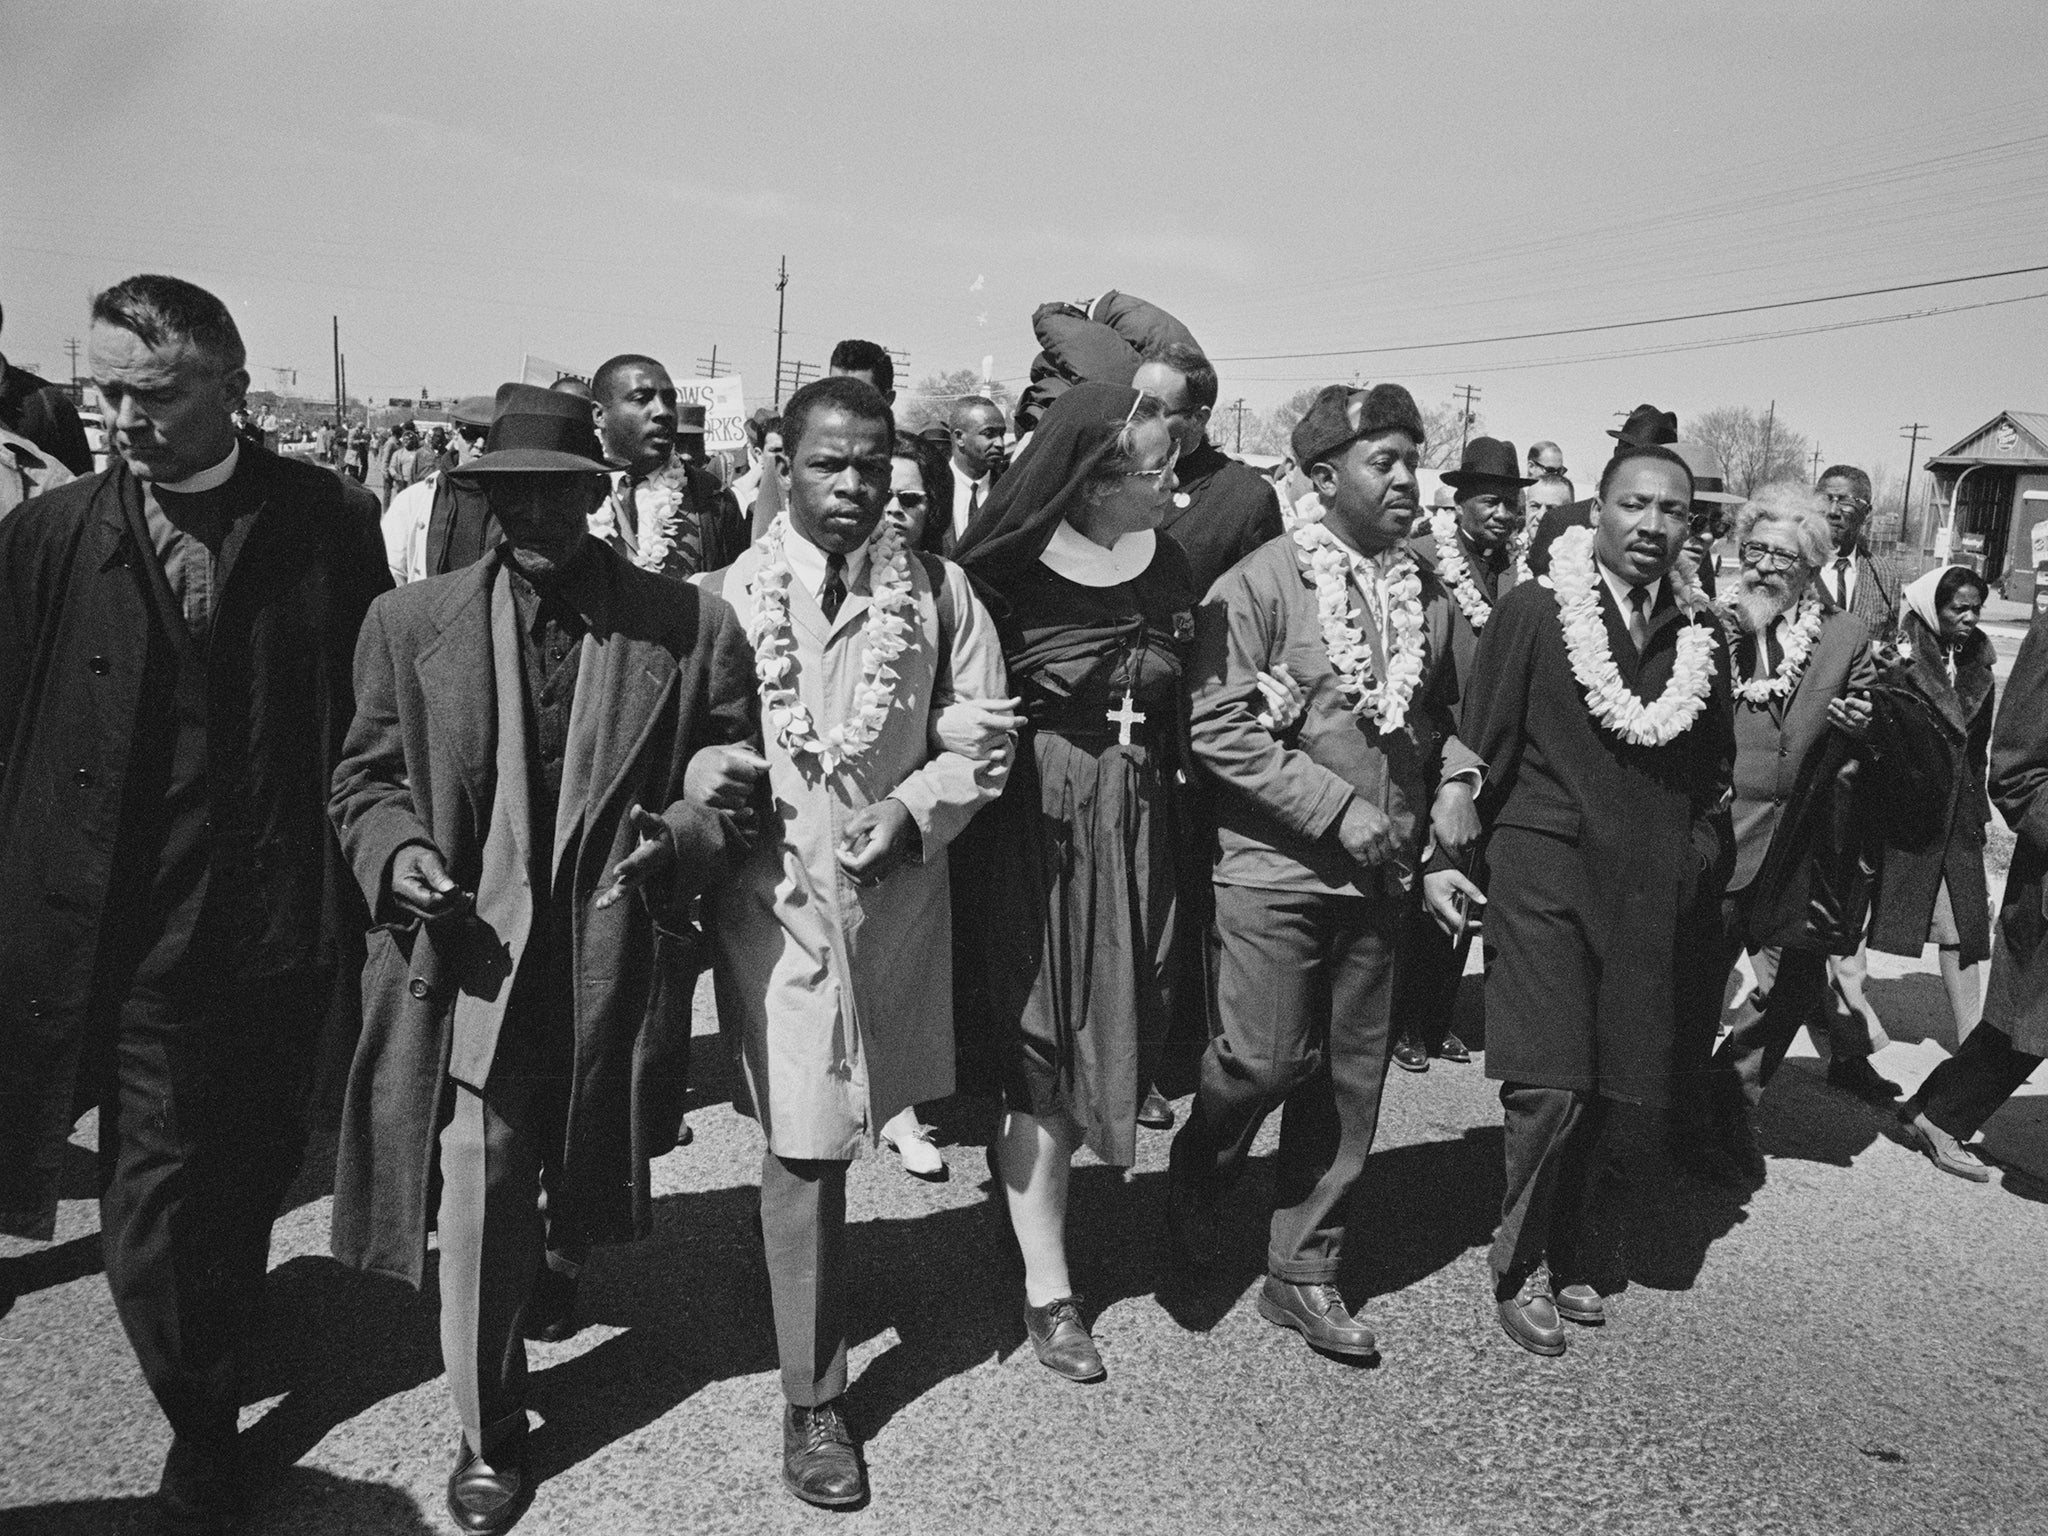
1580,1303
1062,1339
1940,1148
487,1497
1317,1313
1529,1317
819,1462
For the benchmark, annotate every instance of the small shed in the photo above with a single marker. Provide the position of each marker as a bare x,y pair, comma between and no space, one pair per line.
1993,486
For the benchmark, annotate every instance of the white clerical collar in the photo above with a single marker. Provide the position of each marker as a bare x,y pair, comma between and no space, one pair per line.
207,479
1072,554
808,563
1620,590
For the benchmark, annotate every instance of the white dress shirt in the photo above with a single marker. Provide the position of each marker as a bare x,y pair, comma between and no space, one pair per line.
963,497
808,563
1621,589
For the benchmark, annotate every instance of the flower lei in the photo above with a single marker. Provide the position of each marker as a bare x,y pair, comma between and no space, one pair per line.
1525,540
888,636
1331,564
1456,572
1574,576
660,500
1807,619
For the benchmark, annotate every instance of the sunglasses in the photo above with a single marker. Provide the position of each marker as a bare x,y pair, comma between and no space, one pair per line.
909,501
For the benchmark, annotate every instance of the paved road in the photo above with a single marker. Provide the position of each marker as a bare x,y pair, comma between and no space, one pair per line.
1859,1346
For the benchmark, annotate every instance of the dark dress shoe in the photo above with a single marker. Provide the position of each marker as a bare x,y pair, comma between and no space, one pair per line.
550,1314
1855,1075
200,1493
1940,1148
1529,1317
1454,1049
1154,1113
489,1496
1316,1312
1062,1340
819,1462
1580,1303
1409,1054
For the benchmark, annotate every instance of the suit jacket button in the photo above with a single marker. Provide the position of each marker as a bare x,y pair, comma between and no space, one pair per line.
98,665
418,988
83,778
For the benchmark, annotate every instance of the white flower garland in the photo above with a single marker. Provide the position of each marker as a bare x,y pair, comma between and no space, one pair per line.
1575,577
888,636
1331,564
1807,619
659,504
1525,540
1455,571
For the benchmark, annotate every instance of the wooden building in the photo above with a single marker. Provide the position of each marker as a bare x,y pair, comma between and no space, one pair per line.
1993,486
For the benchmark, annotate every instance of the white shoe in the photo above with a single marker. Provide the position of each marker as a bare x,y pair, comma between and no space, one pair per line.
912,1142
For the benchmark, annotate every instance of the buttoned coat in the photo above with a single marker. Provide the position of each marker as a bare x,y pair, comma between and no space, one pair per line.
2016,998
437,755
1493,586
75,622
839,996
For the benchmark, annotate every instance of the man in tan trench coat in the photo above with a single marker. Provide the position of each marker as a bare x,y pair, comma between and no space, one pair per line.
833,938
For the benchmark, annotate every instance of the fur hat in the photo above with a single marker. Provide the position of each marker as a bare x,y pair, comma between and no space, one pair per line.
1340,416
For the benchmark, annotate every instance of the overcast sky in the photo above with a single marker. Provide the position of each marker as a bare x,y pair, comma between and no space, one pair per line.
462,183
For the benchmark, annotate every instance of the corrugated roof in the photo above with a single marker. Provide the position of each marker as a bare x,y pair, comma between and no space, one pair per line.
2032,423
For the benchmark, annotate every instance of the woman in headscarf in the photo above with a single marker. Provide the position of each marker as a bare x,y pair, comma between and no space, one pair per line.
1065,886
1938,689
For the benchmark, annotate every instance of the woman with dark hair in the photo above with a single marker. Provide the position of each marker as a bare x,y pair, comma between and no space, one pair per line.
920,481
1067,882
1939,693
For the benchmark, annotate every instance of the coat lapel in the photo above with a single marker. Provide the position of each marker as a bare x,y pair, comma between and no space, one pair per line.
451,668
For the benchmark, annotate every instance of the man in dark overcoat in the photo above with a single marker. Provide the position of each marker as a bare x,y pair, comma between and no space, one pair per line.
175,635
511,797
2010,1040
1607,825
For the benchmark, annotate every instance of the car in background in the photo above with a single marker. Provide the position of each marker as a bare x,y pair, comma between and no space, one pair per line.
95,435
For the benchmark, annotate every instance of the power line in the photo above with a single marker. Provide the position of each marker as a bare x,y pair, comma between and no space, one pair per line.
1625,325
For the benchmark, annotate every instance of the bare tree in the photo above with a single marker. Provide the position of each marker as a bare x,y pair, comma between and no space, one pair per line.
1755,447
934,398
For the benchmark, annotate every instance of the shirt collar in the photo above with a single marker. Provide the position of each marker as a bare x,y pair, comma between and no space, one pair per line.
207,479
1620,590
808,563
1072,554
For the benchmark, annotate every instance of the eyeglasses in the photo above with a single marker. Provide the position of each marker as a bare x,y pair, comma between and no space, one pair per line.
1158,474
909,501
1847,501
1763,557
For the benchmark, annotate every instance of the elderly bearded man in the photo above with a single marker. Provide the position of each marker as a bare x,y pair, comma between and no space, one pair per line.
1802,708
512,799
1605,805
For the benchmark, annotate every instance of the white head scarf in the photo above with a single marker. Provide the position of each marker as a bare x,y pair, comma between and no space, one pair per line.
1919,595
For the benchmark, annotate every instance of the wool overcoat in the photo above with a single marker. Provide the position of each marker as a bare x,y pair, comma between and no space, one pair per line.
840,997
1492,586
662,674
2016,999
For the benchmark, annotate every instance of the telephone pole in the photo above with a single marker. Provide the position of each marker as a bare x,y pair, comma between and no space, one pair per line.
1465,419
71,346
1763,470
1816,460
707,367
344,388
1912,432
1237,406
781,283
337,373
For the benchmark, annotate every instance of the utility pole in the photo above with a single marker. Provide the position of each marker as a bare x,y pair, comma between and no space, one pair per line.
71,346
707,367
1816,461
1912,432
344,389
1237,405
337,373
781,283
1763,470
1465,420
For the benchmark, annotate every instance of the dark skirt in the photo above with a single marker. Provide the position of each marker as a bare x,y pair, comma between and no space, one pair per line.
1064,913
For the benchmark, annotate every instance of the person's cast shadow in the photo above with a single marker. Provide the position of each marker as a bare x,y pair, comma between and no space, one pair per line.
314,1503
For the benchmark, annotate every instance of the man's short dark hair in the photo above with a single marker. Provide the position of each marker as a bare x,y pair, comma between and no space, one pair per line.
1626,451
158,309
609,370
1859,482
835,392
867,357
964,407
1192,364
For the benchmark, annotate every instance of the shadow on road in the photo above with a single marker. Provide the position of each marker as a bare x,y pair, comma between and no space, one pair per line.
302,1500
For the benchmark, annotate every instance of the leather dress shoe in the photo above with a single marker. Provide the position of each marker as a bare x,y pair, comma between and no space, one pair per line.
550,1313
1410,1054
487,1496
1062,1340
819,1462
1454,1049
1154,1113
919,1155
1580,1303
1529,1317
1855,1075
200,1493
1940,1148
1316,1312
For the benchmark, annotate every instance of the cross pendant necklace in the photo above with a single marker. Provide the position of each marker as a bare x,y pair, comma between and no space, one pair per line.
1123,717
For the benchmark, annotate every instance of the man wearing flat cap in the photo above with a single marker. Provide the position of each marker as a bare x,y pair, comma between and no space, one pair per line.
511,798
1321,832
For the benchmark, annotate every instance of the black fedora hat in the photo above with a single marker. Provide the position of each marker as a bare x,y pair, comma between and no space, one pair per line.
1647,425
1486,463
539,431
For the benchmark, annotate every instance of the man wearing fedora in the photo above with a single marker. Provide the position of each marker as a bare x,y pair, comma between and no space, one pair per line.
443,522
1471,549
511,798
663,513
1643,425
1713,506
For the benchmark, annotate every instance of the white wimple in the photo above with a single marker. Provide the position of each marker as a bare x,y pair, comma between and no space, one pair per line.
1807,619
1575,577
1455,571
891,599
1399,592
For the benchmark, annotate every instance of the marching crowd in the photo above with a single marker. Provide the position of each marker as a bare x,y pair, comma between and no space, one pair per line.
968,760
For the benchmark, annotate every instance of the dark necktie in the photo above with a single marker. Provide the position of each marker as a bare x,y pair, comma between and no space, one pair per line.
1842,581
833,593
1639,617
973,504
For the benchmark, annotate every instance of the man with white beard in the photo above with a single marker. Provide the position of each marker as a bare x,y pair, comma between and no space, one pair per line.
1802,710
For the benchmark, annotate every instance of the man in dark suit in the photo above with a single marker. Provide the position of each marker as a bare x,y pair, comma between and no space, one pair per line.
1222,510
1643,425
1607,828
1802,706
1852,579
175,639
662,514
511,797
978,462
38,410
